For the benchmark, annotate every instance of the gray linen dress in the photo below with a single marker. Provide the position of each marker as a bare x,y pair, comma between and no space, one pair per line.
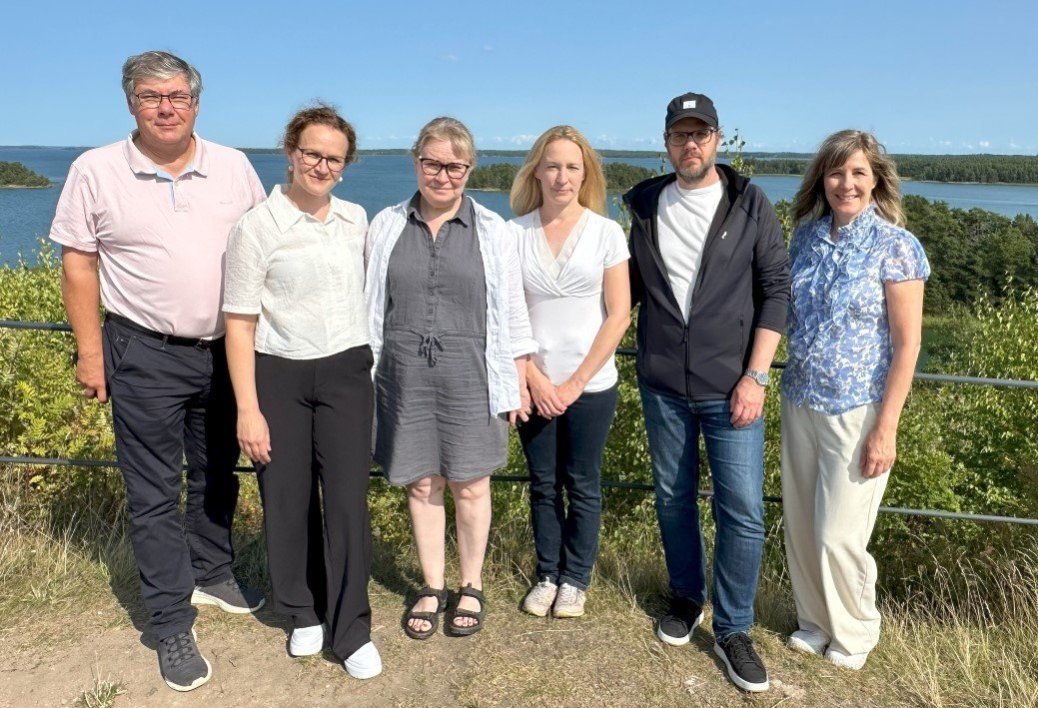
433,407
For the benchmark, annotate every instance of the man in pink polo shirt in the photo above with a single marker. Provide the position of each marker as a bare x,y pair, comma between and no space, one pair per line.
143,226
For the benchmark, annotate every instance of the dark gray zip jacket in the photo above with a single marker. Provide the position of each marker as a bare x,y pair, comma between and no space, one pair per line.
742,284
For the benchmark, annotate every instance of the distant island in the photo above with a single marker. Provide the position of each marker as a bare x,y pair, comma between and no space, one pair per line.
15,175
498,177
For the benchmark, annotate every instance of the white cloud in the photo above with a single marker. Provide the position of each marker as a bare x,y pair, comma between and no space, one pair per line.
452,58
985,143
488,47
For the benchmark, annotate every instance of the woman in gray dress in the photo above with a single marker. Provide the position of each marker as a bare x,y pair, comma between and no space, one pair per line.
450,337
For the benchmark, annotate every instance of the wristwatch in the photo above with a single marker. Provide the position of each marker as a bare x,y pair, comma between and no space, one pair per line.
761,377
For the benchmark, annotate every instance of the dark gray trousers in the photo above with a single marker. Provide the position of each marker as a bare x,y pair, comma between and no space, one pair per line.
171,401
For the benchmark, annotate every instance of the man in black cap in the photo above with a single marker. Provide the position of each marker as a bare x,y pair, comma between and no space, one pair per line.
710,269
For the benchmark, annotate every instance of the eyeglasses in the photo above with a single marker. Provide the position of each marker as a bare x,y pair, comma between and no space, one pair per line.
678,138
178,99
313,159
455,170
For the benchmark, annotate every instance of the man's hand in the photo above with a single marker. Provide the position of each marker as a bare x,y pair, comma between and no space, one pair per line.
747,402
90,374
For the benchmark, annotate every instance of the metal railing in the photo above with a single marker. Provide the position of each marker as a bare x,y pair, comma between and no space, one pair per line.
606,483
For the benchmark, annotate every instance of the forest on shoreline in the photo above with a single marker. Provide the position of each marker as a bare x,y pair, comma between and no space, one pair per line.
15,174
980,168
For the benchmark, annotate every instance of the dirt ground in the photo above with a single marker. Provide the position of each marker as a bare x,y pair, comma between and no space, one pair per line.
609,657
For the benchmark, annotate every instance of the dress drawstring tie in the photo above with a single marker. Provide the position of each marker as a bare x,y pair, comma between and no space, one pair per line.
429,345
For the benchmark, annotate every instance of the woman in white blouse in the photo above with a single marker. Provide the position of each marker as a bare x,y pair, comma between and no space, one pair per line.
574,263
300,362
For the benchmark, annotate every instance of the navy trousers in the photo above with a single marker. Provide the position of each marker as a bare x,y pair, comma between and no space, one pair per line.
564,454
171,401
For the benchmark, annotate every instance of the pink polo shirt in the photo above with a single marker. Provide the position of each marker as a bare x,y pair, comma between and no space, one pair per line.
160,241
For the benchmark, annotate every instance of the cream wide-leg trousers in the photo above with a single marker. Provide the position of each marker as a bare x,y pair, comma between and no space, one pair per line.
829,511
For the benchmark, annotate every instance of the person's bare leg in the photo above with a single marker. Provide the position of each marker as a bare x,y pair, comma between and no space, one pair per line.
472,519
428,521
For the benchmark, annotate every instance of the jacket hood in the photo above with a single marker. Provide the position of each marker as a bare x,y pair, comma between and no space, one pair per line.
643,197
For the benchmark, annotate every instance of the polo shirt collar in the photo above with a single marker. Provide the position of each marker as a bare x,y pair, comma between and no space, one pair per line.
141,165
286,214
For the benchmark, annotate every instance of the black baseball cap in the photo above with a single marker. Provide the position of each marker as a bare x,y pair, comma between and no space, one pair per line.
691,105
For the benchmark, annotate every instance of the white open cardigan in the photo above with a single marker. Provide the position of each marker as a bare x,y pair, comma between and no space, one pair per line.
508,325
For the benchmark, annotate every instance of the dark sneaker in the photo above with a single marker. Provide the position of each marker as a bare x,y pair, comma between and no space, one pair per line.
745,668
229,597
676,627
182,667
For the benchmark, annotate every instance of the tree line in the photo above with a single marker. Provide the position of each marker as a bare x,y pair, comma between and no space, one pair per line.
15,174
620,176
1012,169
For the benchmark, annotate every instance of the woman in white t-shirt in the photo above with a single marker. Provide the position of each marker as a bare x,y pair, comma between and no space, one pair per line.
574,263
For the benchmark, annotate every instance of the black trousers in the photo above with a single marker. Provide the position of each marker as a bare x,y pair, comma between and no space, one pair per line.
319,414
171,401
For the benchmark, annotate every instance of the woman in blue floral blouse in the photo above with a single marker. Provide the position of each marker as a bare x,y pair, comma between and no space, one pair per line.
854,333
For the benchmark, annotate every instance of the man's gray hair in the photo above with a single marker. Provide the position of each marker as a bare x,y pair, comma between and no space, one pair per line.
158,65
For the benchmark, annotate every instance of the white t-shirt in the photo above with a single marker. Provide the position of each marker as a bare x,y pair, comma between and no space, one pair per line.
564,295
304,277
683,221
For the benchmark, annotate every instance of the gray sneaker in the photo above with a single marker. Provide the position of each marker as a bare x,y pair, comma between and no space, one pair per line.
183,668
229,597
569,602
538,601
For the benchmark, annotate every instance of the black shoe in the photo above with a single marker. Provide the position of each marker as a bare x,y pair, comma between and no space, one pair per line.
745,668
229,597
676,627
182,667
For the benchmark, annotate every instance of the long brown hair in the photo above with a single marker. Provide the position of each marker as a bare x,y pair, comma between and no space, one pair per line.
810,201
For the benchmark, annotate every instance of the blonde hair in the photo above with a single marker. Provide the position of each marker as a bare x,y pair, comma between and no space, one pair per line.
450,129
526,188
810,201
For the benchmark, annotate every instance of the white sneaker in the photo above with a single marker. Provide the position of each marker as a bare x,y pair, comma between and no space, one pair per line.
847,661
306,641
809,642
569,602
364,663
540,598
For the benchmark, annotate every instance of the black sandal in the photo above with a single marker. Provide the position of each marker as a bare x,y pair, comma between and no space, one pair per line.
433,618
459,612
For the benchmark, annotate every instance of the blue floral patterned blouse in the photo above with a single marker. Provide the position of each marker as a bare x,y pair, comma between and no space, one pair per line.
839,336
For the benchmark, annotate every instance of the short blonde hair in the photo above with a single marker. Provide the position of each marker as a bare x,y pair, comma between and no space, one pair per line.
810,201
450,129
526,188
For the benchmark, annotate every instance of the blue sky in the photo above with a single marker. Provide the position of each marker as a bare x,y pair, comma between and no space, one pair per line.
952,77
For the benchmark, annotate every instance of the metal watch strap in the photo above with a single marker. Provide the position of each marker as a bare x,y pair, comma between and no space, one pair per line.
761,377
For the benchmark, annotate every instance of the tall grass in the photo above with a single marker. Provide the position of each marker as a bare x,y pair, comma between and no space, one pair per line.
968,636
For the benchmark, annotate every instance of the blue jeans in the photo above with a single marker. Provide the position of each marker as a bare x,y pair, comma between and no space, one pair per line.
565,453
736,458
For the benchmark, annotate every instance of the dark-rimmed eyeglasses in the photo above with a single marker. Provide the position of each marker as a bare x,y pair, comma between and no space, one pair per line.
455,170
177,99
313,159
678,138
